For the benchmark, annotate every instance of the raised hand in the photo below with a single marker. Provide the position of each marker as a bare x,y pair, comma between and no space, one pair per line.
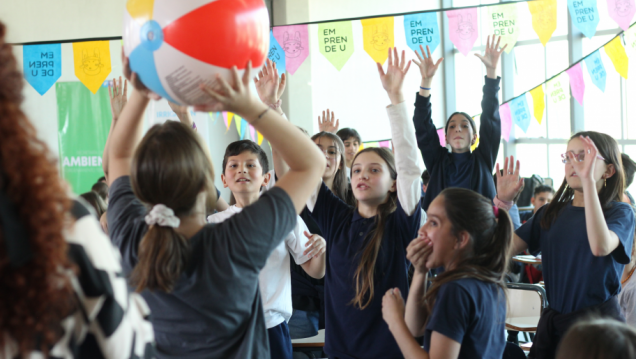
491,57
418,252
328,123
428,67
118,97
393,307
510,183
585,169
316,245
135,80
269,85
182,113
237,99
393,79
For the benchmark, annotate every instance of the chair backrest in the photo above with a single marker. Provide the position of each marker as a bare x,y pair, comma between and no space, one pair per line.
525,300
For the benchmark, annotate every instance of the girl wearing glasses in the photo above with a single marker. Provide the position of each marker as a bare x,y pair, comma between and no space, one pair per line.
585,235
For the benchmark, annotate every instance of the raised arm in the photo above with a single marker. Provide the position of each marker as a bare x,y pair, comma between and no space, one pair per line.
490,122
328,122
305,161
425,131
118,95
407,161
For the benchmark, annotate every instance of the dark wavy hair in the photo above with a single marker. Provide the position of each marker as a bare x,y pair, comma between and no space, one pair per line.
340,182
37,296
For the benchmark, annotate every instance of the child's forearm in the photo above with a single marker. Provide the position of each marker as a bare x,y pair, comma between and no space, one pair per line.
315,267
409,347
602,240
414,314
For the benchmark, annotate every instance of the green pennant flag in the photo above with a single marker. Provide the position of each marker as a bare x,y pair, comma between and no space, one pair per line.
335,40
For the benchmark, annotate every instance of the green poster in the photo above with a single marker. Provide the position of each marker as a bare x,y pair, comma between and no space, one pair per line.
83,122
335,40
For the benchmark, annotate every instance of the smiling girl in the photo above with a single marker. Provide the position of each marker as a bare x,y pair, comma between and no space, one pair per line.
585,237
367,244
460,167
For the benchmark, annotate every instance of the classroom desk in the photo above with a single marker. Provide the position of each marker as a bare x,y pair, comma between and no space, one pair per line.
526,259
315,341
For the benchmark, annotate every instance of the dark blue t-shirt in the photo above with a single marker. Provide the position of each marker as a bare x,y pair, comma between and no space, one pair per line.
350,332
574,277
459,172
472,313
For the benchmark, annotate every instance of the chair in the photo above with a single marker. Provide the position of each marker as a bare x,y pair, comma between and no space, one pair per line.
525,305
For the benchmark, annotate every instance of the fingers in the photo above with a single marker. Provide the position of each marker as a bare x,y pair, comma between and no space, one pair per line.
408,66
125,89
418,54
428,51
238,84
419,64
402,59
497,172
380,69
498,42
439,62
337,126
247,74
505,166
283,81
503,48
396,57
307,234
390,58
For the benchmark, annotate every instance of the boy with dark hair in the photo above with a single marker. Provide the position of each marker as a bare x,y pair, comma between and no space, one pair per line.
246,173
542,195
630,168
352,141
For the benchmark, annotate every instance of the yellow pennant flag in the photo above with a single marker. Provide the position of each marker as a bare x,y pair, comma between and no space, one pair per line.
616,52
92,63
228,120
544,21
260,138
474,146
377,36
538,98
238,123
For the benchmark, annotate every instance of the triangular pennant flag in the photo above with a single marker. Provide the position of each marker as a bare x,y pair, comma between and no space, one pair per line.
504,22
238,123
276,54
463,28
378,37
558,94
92,63
336,42
244,126
260,138
520,112
422,29
630,39
42,65
506,121
596,69
474,146
228,120
252,133
441,133
584,14
295,42
386,144
616,52
577,85
544,18
538,101
214,116
622,11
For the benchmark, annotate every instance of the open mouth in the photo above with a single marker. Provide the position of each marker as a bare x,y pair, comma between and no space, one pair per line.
362,186
241,180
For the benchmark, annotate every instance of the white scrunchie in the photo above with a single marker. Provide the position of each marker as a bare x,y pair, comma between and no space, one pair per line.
162,216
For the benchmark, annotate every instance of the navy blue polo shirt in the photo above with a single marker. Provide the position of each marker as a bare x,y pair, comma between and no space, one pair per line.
350,332
460,170
574,277
472,313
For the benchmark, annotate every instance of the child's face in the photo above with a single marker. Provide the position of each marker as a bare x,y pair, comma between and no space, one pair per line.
541,199
351,148
371,180
330,150
577,146
244,173
438,229
460,133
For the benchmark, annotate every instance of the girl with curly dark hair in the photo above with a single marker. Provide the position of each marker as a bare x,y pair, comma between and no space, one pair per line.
59,283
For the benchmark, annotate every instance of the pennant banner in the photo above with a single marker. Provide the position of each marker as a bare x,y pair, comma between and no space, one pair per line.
228,120
42,65
260,138
558,93
377,37
506,121
386,144
244,127
577,85
630,39
616,52
463,28
596,69
422,29
276,54
584,14
336,42
474,146
503,22
252,133
92,63
544,18
520,112
441,133
622,11
538,102
295,42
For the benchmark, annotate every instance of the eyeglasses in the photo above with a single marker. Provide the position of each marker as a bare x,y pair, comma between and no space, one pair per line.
330,152
579,157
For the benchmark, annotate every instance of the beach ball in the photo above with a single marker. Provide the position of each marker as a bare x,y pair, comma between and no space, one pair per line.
175,45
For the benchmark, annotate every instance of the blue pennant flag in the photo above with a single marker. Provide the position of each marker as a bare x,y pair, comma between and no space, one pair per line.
42,65
584,14
521,112
276,54
596,69
422,29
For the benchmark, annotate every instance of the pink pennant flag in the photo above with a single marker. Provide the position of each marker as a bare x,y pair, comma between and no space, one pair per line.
252,133
442,137
622,11
463,28
386,144
294,40
506,121
576,82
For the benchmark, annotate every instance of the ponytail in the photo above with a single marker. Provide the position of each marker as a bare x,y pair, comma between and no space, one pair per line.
486,256
163,255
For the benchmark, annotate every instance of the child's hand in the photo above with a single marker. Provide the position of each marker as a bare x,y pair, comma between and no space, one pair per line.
427,66
237,99
491,57
118,97
182,113
327,123
418,252
585,169
268,85
508,184
393,307
393,79
317,245
135,80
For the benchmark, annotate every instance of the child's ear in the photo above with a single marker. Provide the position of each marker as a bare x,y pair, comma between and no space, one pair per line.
225,185
610,171
462,240
266,178
532,200
393,186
